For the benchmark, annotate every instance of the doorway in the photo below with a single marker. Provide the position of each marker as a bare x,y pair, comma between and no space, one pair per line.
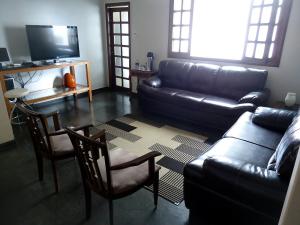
118,44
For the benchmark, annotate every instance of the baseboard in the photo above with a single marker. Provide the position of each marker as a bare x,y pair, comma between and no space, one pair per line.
8,144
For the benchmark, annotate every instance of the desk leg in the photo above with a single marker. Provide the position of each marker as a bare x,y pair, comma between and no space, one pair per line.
3,85
88,80
72,71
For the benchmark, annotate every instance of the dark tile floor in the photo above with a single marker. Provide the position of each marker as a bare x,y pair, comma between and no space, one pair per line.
25,200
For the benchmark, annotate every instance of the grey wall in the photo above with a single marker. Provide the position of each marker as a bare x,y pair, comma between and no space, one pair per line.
150,21
86,14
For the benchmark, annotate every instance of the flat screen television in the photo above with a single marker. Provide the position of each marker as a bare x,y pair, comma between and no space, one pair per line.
52,42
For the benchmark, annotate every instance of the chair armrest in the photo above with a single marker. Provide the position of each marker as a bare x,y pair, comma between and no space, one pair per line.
275,119
258,98
55,117
246,177
153,81
137,161
99,135
58,132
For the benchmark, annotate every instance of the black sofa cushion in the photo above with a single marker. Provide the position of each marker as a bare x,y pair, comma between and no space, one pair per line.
202,78
274,119
244,129
174,74
240,150
236,82
287,150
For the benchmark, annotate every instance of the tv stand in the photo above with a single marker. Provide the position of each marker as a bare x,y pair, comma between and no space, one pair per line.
51,93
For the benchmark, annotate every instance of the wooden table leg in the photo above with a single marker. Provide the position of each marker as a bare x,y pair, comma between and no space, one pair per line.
72,71
88,80
3,85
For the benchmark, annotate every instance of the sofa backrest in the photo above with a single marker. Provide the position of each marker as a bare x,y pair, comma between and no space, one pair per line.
227,81
235,82
174,74
287,150
202,78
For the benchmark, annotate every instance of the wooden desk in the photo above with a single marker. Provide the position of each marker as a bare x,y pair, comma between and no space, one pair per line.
136,76
51,93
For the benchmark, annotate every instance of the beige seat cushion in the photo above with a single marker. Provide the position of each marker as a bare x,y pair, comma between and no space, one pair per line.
62,145
125,179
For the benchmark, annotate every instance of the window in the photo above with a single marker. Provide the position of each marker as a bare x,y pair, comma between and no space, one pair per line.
247,31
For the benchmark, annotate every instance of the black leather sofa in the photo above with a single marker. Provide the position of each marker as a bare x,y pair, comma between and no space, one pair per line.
203,93
247,172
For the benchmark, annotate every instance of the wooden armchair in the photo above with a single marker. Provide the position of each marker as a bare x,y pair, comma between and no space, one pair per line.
49,145
112,174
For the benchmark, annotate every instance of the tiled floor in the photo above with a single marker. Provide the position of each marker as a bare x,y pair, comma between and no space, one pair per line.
24,200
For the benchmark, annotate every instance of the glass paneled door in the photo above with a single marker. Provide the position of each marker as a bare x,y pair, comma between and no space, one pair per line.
118,43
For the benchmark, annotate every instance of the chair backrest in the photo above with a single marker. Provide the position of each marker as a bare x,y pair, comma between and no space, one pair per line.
89,151
38,130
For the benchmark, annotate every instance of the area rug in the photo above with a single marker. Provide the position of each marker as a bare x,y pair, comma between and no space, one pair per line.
177,147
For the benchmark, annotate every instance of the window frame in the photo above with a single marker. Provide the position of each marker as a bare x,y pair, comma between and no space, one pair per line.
274,61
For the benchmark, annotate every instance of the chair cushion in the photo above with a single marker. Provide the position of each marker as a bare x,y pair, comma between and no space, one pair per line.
126,179
61,144
245,129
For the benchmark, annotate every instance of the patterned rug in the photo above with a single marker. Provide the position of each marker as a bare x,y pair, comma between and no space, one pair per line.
177,147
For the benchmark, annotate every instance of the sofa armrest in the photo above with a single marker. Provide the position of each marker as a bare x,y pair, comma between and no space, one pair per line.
274,119
153,81
246,177
258,98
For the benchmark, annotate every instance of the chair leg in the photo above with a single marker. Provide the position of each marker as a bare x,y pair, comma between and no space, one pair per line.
40,167
54,175
111,212
155,188
88,202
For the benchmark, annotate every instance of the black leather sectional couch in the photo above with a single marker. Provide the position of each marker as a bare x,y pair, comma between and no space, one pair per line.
248,170
203,93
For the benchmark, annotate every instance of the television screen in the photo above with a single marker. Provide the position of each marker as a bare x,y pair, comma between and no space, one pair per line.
52,42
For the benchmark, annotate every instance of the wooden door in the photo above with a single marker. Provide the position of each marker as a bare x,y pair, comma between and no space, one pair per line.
118,44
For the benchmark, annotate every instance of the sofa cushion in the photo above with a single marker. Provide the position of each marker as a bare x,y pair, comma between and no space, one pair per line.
174,74
287,150
274,119
189,99
236,82
234,149
225,106
245,129
202,78
161,94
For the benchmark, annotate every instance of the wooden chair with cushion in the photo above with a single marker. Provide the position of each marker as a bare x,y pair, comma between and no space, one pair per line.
49,145
112,174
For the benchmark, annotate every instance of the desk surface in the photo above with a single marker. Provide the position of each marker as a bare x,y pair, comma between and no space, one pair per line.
21,69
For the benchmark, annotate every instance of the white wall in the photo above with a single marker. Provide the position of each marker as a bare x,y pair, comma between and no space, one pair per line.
86,14
149,27
6,133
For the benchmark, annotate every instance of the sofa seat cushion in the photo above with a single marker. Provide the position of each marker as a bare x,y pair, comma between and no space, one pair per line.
161,94
225,106
126,179
241,150
245,129
191,100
